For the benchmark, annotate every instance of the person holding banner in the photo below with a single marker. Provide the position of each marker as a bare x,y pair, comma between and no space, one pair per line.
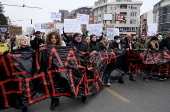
117,45
78,44
37,42
165,43
94,45
22,46
53,39
141,43
128,45
11,42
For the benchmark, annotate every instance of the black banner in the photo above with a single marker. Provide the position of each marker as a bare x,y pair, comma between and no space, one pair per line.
62,71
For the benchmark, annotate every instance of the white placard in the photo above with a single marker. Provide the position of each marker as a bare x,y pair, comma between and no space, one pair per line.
82,19
95,29
37,26
59,26
71,26
56,16
152,29
112,32
61,32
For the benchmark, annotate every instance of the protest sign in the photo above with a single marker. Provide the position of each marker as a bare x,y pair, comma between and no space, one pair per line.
4,29
112,32
71,26
95,29
59,26
152,29
37,26
56,16
13,30
82,19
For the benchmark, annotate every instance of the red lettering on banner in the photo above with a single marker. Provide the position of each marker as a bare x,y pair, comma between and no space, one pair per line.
14,64
164,69
141,66
148,57
153,66
135,66
4,63
133,54
103,58
53,51
71,56
112,56
42,75
5,93
97,79
92,61
156,57
166,56
52,82
79,62
37,59
141,57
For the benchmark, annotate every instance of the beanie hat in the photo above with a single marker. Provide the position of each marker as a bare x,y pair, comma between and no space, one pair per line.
154,38
76,34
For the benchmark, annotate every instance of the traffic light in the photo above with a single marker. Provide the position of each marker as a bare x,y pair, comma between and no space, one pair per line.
31,21
124,19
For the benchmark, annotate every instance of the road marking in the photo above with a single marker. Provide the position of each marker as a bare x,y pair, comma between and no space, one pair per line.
117,95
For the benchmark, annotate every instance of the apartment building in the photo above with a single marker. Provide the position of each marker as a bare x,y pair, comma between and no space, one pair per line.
161,13
64,15
129,8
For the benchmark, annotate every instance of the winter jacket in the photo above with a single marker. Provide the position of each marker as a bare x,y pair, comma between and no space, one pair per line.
115,45
35,43
23,50
141,44
95,46
165,43
125,44
81,46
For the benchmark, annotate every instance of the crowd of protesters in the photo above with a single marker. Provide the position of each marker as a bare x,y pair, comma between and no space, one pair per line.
85,43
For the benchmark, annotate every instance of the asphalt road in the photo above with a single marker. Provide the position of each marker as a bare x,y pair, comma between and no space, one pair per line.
139,96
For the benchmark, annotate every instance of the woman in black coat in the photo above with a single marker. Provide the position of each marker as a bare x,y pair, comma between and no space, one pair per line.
22,46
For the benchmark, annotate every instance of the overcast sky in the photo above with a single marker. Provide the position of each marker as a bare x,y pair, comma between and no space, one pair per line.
43,15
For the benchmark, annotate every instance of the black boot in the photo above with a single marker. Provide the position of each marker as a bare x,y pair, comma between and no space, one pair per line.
24,109
84,98
54,103
121,81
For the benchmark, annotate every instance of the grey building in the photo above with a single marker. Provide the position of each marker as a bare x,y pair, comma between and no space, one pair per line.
161,14
129,8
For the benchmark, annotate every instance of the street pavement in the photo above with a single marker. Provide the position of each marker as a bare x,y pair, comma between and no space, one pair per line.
138,96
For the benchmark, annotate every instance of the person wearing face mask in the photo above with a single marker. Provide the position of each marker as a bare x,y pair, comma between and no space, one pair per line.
116,43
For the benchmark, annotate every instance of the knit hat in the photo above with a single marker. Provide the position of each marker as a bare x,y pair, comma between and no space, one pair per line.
76,34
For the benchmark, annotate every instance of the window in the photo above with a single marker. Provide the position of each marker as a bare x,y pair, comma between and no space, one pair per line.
85,10
91,10
91,13
133,13
123,6
132,21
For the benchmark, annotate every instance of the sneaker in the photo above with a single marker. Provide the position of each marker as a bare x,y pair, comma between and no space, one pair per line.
145,79
108,84
161,79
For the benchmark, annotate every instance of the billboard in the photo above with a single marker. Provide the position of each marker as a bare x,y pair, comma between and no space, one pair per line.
119,17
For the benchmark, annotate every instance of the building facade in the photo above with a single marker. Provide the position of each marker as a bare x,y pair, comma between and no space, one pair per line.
129,8
161,14
64,15
83,10
145,19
